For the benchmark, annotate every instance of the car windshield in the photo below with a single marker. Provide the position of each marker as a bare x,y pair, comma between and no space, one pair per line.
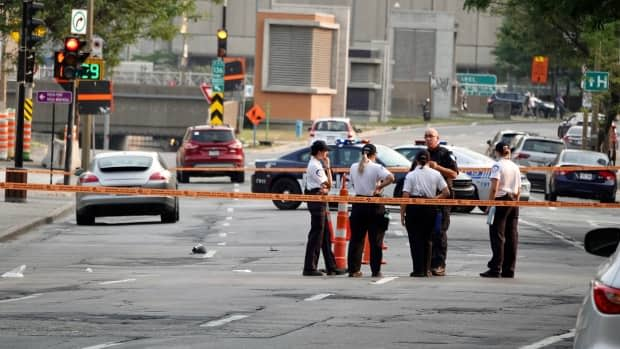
543,146
205,136
331,126
124,163
584,158
390,157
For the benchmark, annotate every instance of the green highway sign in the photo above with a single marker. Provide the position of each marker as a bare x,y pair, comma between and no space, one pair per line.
596,81
217,75
477,84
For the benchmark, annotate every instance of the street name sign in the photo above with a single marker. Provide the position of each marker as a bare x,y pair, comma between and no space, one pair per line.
477,84
56,97
596,81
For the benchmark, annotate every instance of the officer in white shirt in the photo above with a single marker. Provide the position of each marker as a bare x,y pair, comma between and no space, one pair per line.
367,179
506,186
420,220
318,182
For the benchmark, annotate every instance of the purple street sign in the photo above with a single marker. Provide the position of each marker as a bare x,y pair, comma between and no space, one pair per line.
62,97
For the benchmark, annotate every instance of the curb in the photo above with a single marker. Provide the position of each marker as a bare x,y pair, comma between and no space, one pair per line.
17,230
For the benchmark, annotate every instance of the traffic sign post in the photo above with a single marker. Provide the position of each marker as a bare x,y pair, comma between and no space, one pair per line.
477,84
255,115
216,109
596,81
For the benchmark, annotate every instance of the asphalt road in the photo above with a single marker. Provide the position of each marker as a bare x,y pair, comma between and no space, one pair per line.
133,282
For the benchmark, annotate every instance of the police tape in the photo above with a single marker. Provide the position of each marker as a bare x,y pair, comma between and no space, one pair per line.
294,197
339,169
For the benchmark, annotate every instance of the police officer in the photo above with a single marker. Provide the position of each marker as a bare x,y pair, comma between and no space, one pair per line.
318,182
367,179
443,161
422,182
506,186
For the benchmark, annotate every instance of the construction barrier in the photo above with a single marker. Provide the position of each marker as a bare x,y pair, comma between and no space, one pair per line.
342,223
294,197
27,139
4,135
11,130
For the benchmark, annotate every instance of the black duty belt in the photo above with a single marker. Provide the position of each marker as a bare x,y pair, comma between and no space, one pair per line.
312,191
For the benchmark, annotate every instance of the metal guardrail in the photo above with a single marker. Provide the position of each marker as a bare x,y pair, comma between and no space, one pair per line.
158,78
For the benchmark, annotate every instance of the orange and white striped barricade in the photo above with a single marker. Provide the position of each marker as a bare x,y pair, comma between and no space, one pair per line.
342,230
27,139
11,128
4,136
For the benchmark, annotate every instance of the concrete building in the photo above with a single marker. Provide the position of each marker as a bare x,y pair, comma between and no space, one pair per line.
392,46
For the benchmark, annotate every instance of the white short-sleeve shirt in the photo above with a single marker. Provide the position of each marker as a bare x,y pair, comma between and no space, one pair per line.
365,183
315,174
424,181
509,176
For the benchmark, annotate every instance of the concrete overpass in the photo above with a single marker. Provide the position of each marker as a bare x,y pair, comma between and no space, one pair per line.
158,111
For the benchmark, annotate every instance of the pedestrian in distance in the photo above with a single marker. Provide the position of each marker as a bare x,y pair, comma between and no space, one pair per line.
367,179
503,231
420,220
318,182
444,162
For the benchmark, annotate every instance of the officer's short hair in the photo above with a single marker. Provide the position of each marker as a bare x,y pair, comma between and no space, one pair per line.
318,146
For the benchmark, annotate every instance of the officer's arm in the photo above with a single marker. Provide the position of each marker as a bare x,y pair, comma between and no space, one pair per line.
493,189
446,172
403,209
443,194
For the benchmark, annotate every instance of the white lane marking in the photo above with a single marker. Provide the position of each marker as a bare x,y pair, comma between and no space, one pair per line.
230,210
384,280
242,270
116,281
210,254
552,208
229,218
222,235
556,234
221,243
20,298
224,321
592,224
104,345
226,224
15,272
550,340
318,297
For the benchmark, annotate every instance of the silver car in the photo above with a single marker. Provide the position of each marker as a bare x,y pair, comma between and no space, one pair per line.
598,322
126,169
536,151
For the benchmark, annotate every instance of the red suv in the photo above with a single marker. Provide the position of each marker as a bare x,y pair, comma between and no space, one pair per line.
209,146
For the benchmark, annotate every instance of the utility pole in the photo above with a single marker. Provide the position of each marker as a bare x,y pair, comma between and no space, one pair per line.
87,121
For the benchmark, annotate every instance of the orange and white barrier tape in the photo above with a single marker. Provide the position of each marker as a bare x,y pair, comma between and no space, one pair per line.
294,197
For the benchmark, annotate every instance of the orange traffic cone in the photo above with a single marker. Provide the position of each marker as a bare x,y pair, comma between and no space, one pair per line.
342,229
330,226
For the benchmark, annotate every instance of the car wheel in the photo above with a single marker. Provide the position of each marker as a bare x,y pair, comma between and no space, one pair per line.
286,186
84,219
238,177
182,177
169,216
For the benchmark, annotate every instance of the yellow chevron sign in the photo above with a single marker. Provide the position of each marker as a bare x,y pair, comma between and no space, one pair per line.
216,109
28,109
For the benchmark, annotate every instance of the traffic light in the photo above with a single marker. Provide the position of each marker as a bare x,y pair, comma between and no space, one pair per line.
34,27
30,61
222,38
72,57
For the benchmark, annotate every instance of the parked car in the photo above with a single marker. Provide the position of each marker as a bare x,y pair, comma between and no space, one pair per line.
598,319
208,146
573,138
341,155
536,151
479,178
505,136
126,169
575,119
543,108
332,129
599,184
516,100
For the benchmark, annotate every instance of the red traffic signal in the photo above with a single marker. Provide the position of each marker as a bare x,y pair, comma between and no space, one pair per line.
74,56
72,44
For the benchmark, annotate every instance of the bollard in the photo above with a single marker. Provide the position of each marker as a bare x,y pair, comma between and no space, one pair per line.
16,175
4,136
342,229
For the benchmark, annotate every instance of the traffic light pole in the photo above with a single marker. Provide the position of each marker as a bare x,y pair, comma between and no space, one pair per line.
69,142
87,120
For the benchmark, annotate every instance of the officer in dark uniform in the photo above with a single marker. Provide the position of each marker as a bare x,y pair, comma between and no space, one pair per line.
318,182
444,162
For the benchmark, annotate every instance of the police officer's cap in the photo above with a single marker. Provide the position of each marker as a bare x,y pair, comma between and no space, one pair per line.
369,149
318,146
501,147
